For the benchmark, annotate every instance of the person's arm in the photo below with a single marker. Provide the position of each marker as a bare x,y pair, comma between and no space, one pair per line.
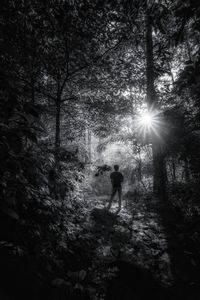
122,178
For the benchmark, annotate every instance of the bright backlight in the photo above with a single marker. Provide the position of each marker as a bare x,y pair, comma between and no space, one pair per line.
146,122
146,119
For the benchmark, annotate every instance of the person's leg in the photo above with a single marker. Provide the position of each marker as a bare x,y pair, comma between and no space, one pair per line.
120,197
114,190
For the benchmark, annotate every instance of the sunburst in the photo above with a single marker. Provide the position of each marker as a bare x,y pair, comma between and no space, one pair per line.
149,122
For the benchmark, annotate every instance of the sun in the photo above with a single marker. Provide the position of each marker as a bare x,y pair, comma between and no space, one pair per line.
146,119
148,122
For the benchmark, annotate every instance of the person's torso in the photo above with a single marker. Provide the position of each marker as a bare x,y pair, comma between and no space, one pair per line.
116,178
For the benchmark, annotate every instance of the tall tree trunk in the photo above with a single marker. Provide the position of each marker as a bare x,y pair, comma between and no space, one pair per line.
32,90
173,163
89,149
57,129
187,170
159,168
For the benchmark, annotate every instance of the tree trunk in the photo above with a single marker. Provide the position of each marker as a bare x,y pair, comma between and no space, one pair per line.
159,171
159,168
173,162
186,170
57,129
89,149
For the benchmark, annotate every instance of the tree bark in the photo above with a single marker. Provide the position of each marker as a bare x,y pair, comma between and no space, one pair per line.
57,129
32,90
173,162
159,168
186,170
89,149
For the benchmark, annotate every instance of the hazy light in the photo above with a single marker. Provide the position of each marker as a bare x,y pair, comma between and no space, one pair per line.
145,122
148,121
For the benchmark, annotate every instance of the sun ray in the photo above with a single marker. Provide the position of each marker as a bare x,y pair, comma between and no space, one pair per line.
149,122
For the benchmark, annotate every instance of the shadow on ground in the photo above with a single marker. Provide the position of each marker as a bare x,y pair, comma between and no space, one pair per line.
130,281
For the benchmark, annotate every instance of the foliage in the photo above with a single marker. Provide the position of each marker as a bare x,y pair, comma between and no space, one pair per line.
72,66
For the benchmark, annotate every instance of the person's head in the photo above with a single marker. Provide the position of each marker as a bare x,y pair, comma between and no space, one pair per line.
116,167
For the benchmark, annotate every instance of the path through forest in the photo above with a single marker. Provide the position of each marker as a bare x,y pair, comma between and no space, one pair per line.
134,236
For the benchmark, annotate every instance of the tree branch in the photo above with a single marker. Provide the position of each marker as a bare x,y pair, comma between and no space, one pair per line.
38,89
95,60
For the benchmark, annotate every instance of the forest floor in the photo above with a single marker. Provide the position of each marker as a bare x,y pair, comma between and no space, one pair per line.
135,235
128,249
128,241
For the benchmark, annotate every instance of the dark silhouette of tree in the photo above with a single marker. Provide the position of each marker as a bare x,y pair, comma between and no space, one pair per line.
71,70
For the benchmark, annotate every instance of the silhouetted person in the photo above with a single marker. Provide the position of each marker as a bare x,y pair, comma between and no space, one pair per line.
116,180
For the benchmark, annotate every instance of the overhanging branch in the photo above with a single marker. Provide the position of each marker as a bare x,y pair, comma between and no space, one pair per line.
95,60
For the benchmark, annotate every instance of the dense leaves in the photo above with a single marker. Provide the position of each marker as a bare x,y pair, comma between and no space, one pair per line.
72,73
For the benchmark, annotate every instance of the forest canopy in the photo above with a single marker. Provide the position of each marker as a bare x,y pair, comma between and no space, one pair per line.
86,85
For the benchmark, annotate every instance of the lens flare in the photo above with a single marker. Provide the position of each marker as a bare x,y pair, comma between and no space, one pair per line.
148,122
146,119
